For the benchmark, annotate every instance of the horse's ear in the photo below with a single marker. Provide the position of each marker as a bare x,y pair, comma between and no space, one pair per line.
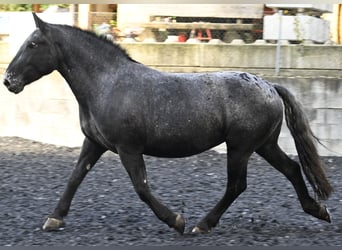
39,23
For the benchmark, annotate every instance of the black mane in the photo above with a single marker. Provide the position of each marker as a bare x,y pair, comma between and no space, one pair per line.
113,47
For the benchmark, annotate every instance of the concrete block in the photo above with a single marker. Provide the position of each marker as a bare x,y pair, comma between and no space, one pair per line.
311,57
296,28
165,54
309,7
325,116
327,131
237,56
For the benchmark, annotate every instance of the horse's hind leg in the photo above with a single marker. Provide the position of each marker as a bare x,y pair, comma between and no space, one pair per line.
237,183
90,153
135,166
291,169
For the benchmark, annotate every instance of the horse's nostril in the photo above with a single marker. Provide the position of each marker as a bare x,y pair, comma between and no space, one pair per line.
6,82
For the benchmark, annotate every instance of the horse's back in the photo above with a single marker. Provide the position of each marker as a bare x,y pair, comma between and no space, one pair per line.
253,108
194,112
233,94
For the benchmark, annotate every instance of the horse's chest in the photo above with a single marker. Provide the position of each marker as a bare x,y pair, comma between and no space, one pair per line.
89,128
92,128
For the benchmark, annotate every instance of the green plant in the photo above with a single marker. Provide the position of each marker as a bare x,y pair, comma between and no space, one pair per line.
27,7
112,23
15,7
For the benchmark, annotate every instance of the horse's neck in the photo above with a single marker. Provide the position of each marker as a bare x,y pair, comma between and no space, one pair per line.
82,70
75,75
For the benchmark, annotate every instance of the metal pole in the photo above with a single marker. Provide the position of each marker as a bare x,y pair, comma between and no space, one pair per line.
277,62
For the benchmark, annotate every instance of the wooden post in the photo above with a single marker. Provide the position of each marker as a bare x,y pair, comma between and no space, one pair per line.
36,8
83,16
339,23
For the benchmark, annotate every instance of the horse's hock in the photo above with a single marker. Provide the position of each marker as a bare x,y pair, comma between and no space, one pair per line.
48,112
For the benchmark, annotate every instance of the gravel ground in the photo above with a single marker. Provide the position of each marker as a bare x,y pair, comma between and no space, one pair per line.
106,210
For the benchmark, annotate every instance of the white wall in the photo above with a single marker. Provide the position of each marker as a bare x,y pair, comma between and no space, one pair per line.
45,111
131,15
21,25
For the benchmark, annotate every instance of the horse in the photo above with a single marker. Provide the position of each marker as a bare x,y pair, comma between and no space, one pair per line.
133,110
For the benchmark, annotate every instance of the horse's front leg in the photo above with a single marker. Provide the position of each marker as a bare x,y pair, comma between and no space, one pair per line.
90,153
135,166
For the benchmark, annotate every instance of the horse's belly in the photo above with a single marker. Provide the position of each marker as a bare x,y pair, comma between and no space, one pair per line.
177,151
182,146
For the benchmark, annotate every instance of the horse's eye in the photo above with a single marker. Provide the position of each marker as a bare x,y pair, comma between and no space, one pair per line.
33,45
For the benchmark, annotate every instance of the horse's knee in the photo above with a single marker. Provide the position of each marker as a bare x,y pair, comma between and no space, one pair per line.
241,187
238,187
293,169
143,193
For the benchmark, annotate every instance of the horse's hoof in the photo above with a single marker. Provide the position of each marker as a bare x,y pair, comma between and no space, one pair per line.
53,224
325,214
199,230
179,224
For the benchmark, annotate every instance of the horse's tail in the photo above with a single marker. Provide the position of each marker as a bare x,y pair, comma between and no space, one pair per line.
298,124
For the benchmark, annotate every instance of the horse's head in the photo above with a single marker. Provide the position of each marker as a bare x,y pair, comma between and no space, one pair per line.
36,57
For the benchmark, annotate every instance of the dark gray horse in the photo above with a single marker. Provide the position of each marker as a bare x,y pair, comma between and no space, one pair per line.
133,110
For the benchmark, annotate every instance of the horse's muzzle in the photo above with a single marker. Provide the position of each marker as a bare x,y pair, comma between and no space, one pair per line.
7,83
13,87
